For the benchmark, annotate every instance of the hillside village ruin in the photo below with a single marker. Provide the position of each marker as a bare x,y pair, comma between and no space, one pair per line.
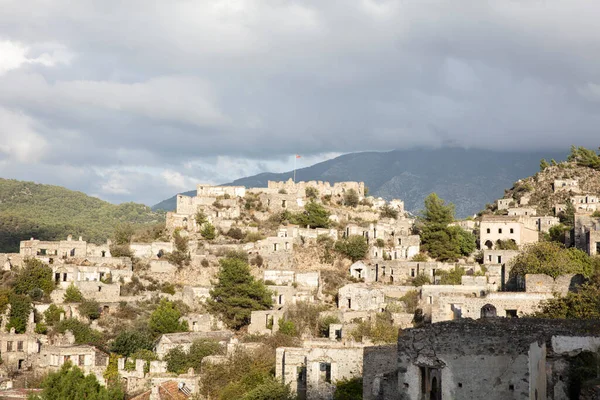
457,342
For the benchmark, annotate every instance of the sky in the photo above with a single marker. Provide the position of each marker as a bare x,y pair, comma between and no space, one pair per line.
136,100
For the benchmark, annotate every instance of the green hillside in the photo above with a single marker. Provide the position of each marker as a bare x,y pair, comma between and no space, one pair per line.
51,212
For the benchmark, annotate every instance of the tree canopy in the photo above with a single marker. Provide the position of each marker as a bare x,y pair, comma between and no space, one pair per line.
355,247
237,294
35,275
70,383
165,319
443,242
584,157
314,216
437,212
553,259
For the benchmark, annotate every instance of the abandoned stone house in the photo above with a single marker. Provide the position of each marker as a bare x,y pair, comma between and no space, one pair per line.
451,304
501,227
66,274
184,340
503,358
369,297
51,251
311,371
309,279
586,233
20,351
566,185
521,211
398,271
585,202
91,290
504,204
390,231
202,322
498,265
467,225
296,232
88,358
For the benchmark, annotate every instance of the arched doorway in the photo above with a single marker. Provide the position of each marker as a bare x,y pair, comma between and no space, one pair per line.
488,311
489,244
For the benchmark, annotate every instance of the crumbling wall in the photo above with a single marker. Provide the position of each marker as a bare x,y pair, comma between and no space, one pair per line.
380,365
541,283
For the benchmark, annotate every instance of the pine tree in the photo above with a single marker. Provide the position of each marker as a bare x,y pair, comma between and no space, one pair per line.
237,294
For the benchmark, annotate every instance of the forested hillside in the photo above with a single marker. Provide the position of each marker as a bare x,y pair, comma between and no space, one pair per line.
51,212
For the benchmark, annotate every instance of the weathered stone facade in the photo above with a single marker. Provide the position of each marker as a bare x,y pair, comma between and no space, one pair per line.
491,359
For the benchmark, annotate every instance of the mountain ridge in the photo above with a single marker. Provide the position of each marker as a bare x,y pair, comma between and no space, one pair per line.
469,178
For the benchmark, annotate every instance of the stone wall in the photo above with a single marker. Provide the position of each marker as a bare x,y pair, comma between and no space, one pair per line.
320,367
324,188
541,283
380,365
502,359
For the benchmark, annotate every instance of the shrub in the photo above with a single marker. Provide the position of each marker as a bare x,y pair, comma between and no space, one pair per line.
200,218
237,254
388,211
258,261
411,301
380,243
167,287
176,360
351,198
305,317
506,245
131,341
208,231
382,330
311,192
421,280
287,327
421,257
253,237
89,309
180,256
165,319
453,277
355,247
349,389
52,314
270,389
72,295
324,324
235,233
70,383
41,328
120,250
552,259
82,331
201,348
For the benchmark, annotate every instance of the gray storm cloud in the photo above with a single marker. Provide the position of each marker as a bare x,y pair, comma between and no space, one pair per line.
131,101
